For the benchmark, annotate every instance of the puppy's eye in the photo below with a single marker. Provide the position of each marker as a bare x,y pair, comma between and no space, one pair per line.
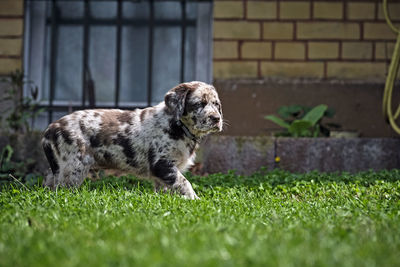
218,105
198,105
201,104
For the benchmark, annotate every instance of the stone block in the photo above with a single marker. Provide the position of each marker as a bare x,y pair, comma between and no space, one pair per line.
11,27
8,65
278,30
338,154
26,146
226,49
10,47
357,50
228,9
290,50
360,11
328,10
261,10
244,154
378,31
247,155
235,69
236,30
384,50
393,8
323,50
11,7
256,50
328,30
294,10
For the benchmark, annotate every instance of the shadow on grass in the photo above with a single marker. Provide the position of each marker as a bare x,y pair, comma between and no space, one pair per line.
280,177
231,179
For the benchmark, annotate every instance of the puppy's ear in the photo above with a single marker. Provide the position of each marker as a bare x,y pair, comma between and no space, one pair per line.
175,99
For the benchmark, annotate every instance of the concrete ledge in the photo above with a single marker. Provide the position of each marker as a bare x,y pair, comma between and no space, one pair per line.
248,154
244,154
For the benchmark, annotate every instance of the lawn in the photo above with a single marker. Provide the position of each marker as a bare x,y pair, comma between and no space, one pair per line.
267,219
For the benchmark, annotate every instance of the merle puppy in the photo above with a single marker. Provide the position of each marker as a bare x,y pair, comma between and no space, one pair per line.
157,143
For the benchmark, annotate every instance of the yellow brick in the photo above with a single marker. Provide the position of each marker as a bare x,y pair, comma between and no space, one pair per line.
328,10
10,27
378,31
236,29
290,50
292,69
328,30
241,69
357,50
228,9
393,8
8,65
253,50
384,50
225,49
361,11
11,7
278,30
323,50
356,70
294,10
261,10
10,47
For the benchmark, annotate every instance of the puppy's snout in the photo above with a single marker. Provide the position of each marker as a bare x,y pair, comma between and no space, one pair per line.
215,118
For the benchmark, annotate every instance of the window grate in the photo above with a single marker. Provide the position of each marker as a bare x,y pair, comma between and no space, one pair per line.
54,20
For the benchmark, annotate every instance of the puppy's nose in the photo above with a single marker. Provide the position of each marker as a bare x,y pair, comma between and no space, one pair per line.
215,118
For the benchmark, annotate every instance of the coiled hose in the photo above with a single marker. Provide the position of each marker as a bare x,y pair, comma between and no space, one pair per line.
391,77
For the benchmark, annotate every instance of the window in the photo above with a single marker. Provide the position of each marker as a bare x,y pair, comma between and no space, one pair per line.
116,53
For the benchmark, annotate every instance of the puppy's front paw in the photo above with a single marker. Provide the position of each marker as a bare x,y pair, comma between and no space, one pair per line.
191,197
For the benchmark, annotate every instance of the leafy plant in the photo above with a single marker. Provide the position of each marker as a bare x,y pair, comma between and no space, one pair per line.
303,121
10,168
23,108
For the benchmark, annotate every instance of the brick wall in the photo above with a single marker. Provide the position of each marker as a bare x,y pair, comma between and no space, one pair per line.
316,39
256,39
11,35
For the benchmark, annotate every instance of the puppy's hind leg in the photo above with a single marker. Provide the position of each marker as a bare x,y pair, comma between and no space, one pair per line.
49,180
160,187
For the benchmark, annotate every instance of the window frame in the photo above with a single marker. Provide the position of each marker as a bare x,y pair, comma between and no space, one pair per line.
34,54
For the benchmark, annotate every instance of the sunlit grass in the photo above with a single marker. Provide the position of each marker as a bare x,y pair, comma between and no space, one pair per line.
268,219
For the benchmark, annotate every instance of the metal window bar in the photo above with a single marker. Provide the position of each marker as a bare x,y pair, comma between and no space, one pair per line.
118,55
183,40
150,68
55,21
53,53
85,52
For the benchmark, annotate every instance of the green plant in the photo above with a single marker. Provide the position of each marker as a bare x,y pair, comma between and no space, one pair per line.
303,121
11,169
22,108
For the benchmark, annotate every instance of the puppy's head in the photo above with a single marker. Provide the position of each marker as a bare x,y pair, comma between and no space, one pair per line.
197,105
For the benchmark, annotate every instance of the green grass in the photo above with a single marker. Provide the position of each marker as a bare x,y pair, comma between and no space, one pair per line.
270,219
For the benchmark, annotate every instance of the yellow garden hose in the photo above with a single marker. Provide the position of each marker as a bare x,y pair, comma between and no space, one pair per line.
391,77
